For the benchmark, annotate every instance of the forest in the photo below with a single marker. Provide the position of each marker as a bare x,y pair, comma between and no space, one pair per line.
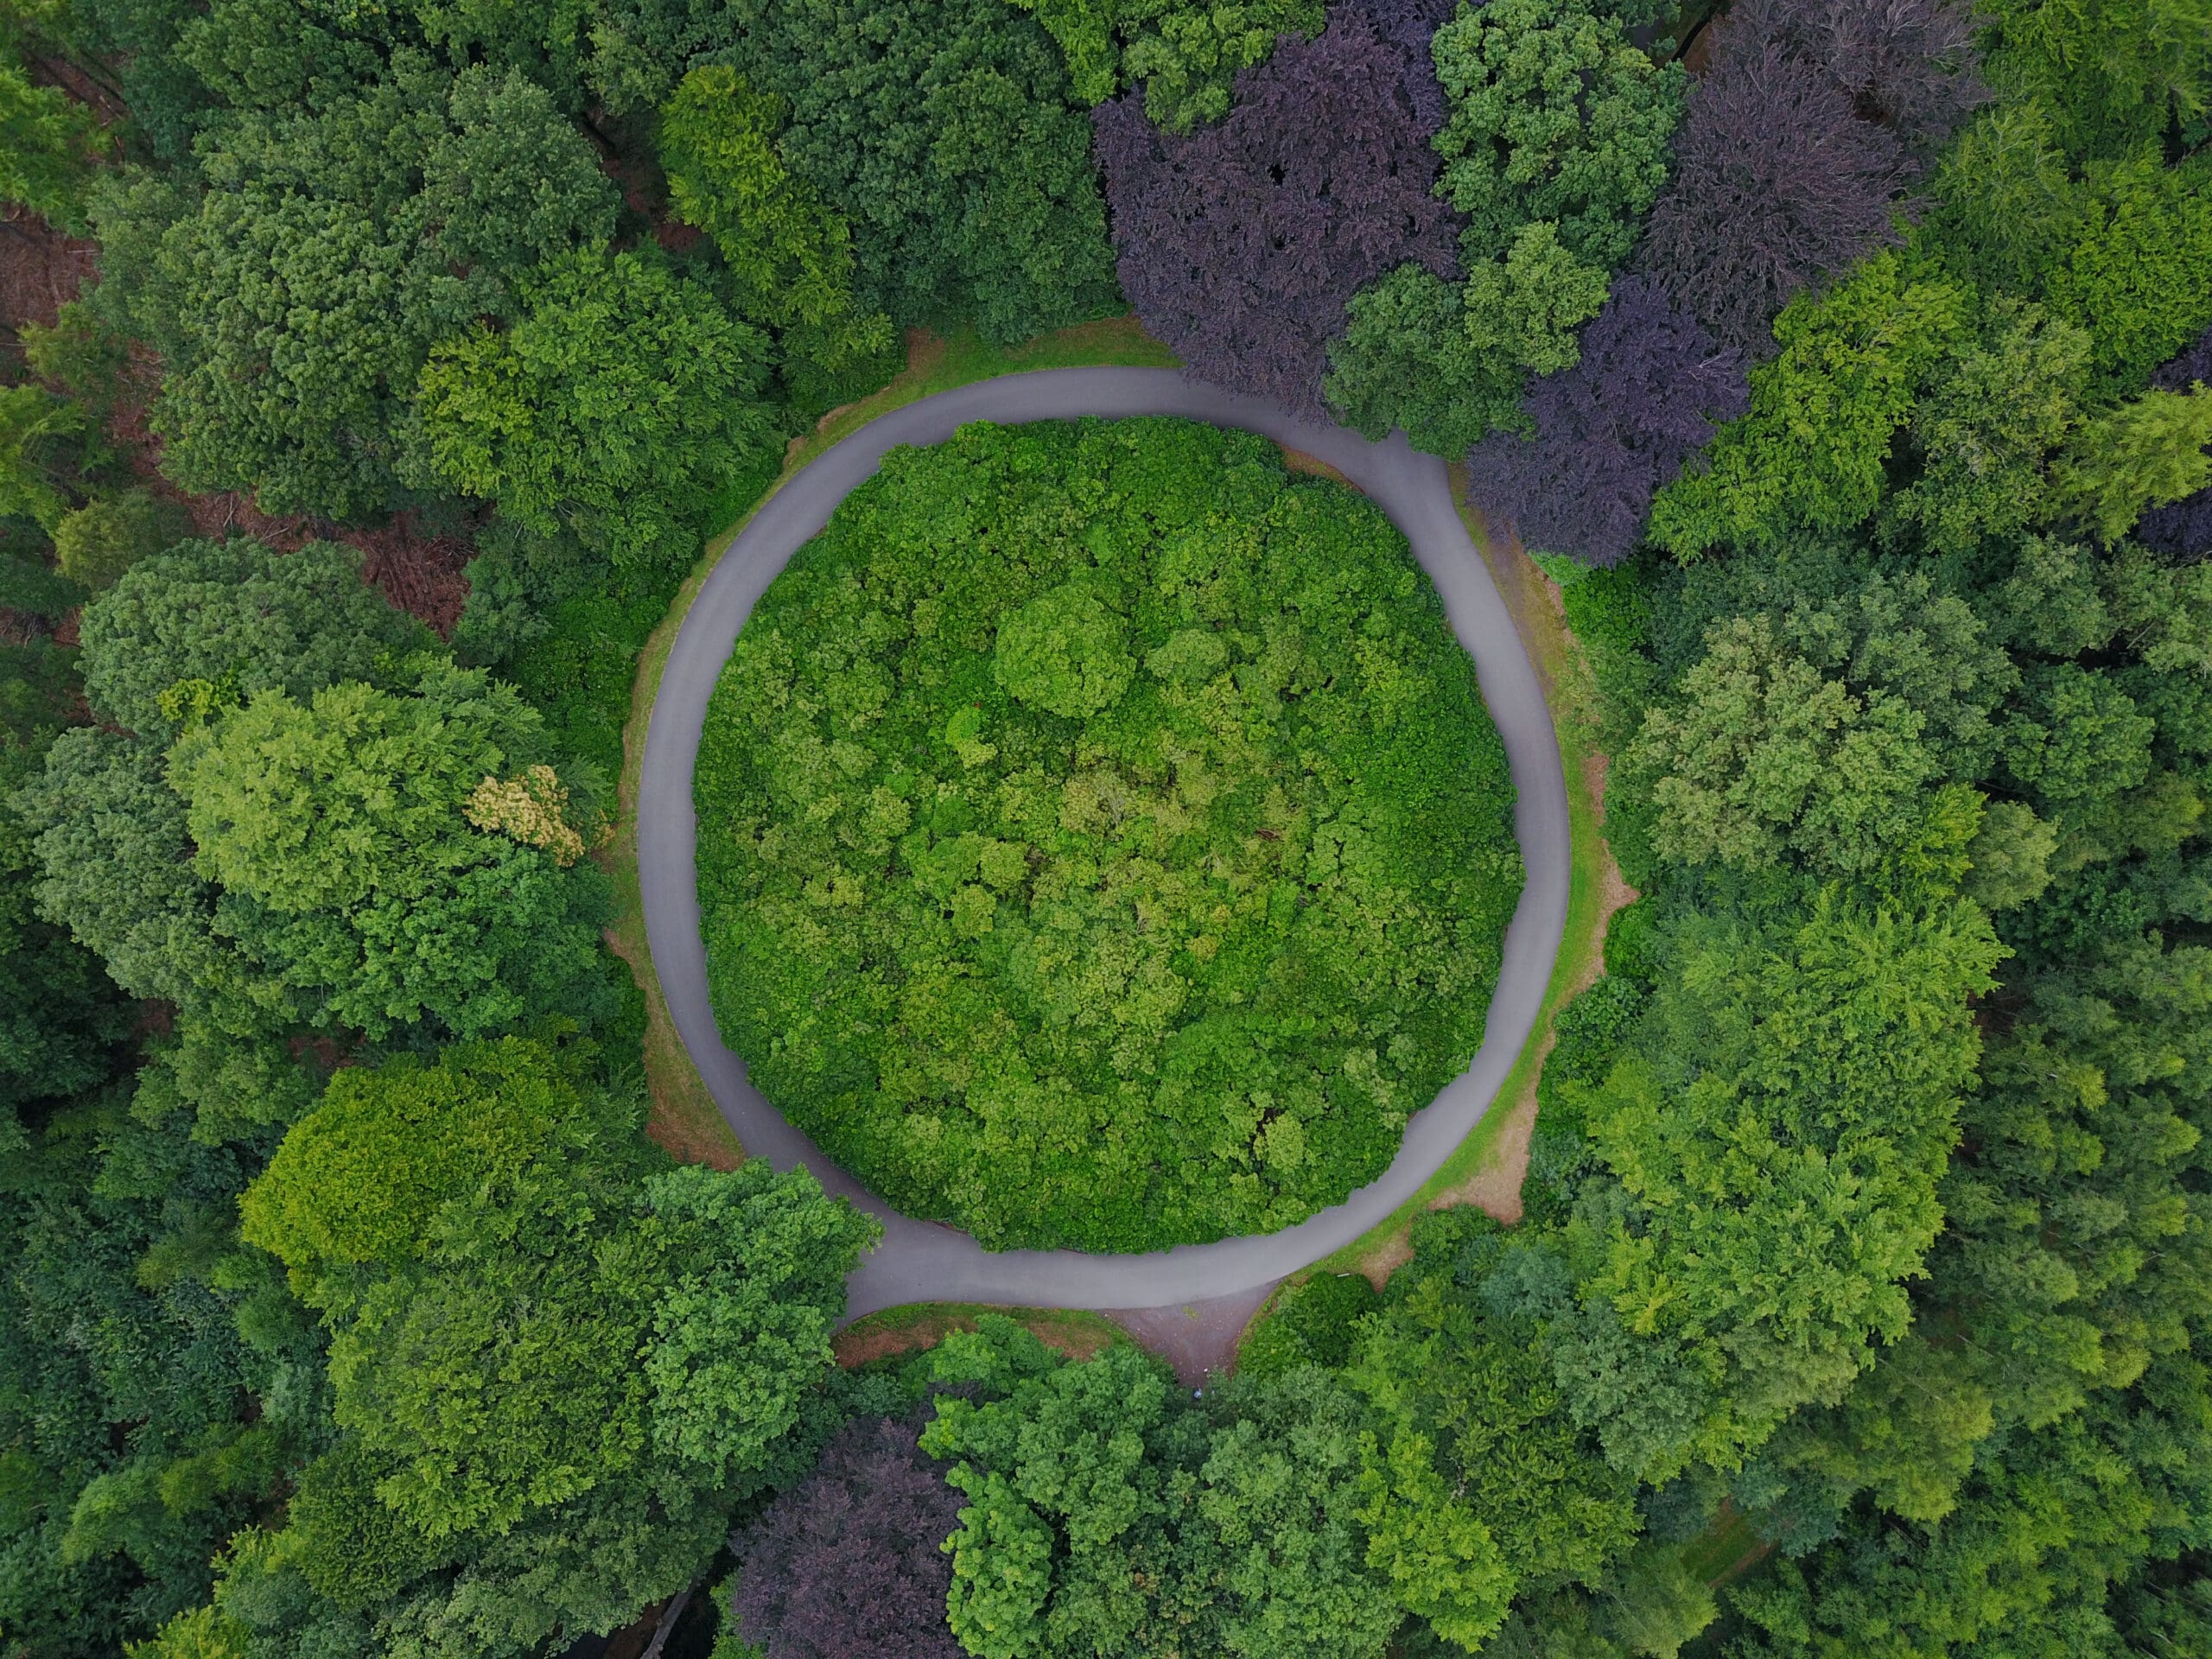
377,375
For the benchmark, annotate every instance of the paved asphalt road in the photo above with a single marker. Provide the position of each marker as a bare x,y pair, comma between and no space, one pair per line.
922,1260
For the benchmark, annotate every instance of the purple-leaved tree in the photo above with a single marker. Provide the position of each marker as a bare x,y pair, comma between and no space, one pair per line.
2183,529
1610,432
1239,243
845,1564
1776,181
1410,26
1911,65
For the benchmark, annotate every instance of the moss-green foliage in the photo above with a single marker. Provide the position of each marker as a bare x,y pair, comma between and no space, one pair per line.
566,630
942,131
1184,55
1103,1516
547,1346
1311,1324
612,408
1103,841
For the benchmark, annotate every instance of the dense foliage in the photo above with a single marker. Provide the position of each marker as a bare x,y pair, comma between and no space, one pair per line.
1240,243
1556,144
1609,432
1858,359
1184,55
941,131
1135,813
1105,1516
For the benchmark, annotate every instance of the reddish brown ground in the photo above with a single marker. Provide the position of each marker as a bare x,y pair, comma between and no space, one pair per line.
41,270
417,570
1299,461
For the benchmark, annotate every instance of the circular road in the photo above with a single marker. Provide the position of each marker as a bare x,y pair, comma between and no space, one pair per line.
928,1261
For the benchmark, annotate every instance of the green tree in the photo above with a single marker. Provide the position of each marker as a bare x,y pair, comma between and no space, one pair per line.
2114,74
1185,56
1813,450
99,541
1524,311
48,145
1466,1388
115,868
1986,430
1766,754
59,1015
2078,737
1104,1517
1439,1560
353,881
2006,203
789,251
156,1387
1778,1126
34,477
2144,453
239,618
1406,360
2138,269
1555,148
616,405
543,1337
1067,651
1554,117
941,130
293,302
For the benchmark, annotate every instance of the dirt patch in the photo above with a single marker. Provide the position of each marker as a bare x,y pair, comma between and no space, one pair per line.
1299,461
41,268
1615,894
1495,1188
911,1329
1197,1338
418,569
1387,1257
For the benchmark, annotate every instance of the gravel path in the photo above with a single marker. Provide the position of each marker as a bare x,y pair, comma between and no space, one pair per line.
922,1260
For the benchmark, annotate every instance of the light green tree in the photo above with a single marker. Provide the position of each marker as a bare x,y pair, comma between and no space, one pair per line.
1813,453
1555,147
1184,55
1777,1127
1554,117
96,543
48,145
353,881
2144,453
1985,430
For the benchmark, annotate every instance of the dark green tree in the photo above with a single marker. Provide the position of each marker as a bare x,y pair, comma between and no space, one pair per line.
293,302
616,405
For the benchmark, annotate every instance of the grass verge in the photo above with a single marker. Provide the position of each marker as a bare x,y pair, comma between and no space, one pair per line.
908,1330
684,1118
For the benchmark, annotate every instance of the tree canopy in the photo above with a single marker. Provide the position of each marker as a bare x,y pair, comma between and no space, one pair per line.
1240,243
1140,895
1554,145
